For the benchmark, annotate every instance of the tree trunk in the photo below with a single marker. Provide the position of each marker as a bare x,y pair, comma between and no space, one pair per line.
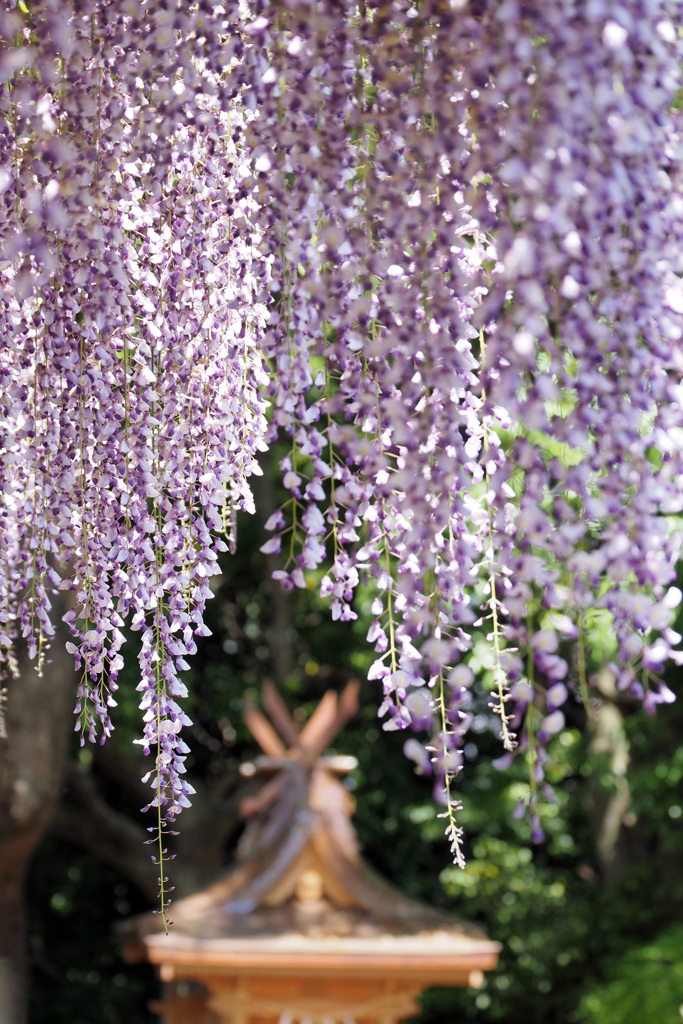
32,769
14,856
609,793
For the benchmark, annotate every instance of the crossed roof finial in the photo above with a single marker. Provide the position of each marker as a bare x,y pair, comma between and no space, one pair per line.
285,745
301,744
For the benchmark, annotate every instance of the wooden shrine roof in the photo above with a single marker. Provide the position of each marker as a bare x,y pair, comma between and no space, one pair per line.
300,895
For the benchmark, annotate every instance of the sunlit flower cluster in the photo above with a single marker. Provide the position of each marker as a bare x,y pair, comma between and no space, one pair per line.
439,242
478,231
130,364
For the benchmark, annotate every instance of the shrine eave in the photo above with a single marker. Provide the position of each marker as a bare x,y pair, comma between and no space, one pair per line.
443,962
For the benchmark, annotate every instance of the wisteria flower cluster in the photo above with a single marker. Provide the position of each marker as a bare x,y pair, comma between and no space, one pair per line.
130,364
484,264
437,245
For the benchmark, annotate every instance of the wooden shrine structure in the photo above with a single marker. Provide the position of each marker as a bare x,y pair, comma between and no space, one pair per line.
301,930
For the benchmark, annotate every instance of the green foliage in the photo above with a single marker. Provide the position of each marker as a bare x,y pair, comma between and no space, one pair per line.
647,986
565,928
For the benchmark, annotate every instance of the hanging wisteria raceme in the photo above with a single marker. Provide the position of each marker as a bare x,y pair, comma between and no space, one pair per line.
441,240
587,229
131,369
484,259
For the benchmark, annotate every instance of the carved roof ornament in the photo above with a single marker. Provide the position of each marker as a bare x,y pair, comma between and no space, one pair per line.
301,930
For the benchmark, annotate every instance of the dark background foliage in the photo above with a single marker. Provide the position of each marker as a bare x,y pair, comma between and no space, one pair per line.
596,903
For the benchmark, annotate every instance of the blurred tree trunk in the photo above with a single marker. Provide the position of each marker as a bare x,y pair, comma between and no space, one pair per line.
609,792
32,769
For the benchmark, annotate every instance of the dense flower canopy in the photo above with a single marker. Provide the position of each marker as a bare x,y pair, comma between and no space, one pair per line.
436,244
